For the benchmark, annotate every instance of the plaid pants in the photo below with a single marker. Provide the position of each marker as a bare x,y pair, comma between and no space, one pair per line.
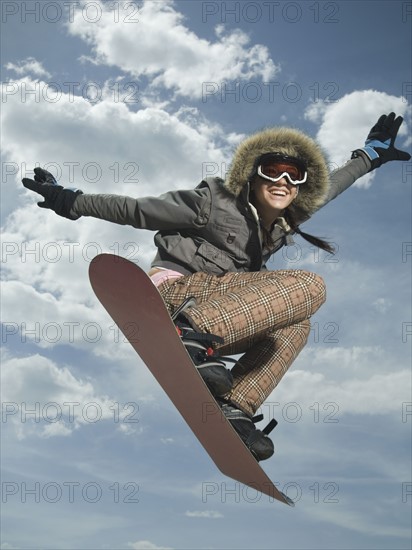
262,315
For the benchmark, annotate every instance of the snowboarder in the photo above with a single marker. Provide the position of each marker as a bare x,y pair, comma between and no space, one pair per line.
213,243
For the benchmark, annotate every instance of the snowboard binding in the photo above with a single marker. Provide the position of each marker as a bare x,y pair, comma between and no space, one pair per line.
257,441
219,380
209,364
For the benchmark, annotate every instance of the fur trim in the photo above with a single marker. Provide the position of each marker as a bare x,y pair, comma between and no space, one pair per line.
290,142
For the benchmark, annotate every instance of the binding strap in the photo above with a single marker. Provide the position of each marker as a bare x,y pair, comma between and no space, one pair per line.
272,424
187,332
203,337
189,302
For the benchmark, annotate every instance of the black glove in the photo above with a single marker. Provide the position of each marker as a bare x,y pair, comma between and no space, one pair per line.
380,143
56,197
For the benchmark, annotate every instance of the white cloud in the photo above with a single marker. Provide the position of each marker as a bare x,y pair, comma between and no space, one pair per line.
382,305
41,399
350,384
156,43
46,257
46,296
167,440
28,65
207,514
104,147
31,314
371,301
358,520
345,124
146,545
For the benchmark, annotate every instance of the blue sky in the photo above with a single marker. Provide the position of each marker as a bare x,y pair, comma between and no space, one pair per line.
139,98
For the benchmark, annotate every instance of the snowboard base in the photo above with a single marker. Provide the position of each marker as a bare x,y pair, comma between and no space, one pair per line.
136,306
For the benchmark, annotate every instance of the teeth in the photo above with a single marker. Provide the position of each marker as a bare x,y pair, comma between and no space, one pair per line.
280,193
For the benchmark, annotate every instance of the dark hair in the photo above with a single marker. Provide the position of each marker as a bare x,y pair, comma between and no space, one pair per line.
290,219
317,241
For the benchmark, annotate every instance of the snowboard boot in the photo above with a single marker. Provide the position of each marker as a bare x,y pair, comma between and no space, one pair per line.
257,441
210,365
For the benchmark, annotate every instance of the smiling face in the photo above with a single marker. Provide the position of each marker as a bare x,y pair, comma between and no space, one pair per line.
274,184
271,198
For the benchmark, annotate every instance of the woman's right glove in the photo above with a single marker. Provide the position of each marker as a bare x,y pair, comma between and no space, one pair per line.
55,196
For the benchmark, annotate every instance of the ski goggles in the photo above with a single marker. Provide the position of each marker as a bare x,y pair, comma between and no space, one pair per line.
275,167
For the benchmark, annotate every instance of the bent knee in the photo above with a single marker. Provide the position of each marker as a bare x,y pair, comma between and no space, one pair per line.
316,287
312,279
320,287
318,290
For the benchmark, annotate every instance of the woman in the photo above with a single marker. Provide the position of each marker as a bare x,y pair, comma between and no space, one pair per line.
213,243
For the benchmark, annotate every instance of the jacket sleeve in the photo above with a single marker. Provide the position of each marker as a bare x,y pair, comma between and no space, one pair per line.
342,178
172,210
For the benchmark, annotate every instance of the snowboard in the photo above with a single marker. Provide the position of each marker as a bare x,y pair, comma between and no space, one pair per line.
136,306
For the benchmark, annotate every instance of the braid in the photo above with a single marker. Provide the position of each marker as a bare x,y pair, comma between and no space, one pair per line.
289,216
321,243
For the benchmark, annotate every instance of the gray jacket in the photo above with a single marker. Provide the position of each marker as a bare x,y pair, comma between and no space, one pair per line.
209,228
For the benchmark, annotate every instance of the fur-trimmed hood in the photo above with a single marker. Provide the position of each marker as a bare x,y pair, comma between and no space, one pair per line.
290,142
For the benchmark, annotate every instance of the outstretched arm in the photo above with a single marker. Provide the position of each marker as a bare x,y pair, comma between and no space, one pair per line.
180,209
379,148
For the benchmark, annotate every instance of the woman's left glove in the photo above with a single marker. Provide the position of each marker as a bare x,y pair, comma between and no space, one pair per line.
380,143
55,196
